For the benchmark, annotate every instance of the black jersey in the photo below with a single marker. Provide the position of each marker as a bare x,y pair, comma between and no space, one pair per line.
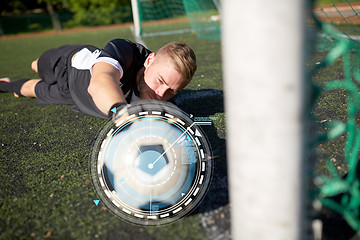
66,72
129,55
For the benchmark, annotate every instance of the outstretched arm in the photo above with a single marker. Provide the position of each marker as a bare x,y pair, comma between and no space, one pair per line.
104,86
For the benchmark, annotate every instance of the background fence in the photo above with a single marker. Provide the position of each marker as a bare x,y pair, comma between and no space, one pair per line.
37,22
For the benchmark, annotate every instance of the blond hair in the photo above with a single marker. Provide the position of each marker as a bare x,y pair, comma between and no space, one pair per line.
182,57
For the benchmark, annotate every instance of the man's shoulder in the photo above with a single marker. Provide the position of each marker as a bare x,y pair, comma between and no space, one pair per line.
124,44
130,55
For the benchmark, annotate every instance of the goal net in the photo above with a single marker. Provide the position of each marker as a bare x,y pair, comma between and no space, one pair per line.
342,14
339,24
164,17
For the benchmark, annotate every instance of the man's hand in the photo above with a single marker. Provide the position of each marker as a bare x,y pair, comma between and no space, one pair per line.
104,86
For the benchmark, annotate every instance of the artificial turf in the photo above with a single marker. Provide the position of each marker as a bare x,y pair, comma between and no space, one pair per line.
45,188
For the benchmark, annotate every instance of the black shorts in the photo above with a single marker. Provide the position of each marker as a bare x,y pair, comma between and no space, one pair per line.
63,84
52,69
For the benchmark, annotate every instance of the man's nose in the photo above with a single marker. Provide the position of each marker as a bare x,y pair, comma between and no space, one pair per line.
161,90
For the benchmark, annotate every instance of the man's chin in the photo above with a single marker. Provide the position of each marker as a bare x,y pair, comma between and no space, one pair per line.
146,96
149,96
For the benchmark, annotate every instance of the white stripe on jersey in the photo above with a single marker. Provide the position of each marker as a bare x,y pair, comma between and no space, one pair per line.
85,60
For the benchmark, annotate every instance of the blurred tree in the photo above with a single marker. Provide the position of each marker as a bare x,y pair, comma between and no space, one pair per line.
99,12
17,6
50,8
86,12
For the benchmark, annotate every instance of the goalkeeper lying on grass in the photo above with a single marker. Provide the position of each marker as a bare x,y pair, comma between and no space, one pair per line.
97,80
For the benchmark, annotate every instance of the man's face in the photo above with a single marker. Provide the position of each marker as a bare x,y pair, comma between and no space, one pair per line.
159,80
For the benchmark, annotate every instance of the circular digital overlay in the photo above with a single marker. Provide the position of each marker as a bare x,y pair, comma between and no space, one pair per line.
151,164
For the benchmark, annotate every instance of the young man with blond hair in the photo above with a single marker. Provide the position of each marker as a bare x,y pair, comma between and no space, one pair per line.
95,81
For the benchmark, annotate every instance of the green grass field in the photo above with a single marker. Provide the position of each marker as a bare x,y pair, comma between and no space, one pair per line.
45,188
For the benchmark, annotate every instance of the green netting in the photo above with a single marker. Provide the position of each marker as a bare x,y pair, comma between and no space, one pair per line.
340,28
151,10
344,14
201,16
160,9
204,18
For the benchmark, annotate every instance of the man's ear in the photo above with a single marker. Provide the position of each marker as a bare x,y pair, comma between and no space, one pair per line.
149,60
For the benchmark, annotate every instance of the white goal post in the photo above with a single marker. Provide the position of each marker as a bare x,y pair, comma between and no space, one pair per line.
263,88
136,19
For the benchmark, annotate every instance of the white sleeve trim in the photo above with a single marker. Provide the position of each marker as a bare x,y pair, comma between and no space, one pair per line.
111,61
84,59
